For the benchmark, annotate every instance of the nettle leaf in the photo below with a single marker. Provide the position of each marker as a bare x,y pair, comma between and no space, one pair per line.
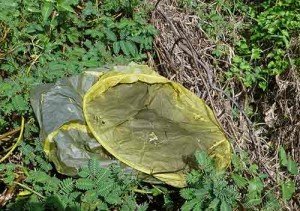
116,47
124,48
253,169
255,185
131,47
46,10
288,162
292,166
239,180
137,39
288,188
283,157
110,35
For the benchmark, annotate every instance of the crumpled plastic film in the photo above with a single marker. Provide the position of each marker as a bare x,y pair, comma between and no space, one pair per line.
137,117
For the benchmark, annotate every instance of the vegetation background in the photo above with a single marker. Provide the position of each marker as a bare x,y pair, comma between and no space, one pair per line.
241,56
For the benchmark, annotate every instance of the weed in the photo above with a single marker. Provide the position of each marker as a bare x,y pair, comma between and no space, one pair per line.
45,40
244,186
264,53
95,188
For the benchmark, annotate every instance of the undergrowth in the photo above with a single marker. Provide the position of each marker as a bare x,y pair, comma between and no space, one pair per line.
41,41
97,188
260,34
243,187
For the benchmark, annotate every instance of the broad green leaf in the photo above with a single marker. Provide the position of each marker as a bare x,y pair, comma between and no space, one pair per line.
253,169
124,48
288,189
263,176
131,48
91,63
263,85
65,5
46,10
116,47
286,41
240,181
33,9
255,185
137,39
292,166
110,35
282,157
255,53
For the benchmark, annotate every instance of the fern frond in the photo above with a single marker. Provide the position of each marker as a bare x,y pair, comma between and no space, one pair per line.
74,195
105,189
89,196
187,193
113,198
214,204
38,176
52,185
103,175
203,194
66,186
44,165
94,167
189,205
84,172
193,177
84,184
142,207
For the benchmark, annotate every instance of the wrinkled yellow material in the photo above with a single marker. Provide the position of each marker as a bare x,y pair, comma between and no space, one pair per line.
152,124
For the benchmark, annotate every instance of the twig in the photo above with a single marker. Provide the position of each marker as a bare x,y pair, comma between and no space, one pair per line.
17,143
9,133
156,4
142,191
30,189
176,43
